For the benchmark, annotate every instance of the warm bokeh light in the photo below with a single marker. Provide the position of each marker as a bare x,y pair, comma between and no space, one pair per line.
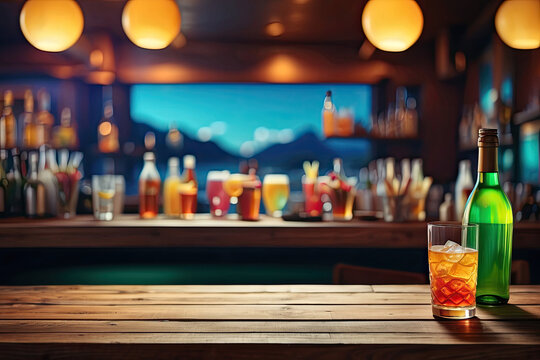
151,24
105,128
149,140
518,23
392,25
96,58
51,25
282,69
275,29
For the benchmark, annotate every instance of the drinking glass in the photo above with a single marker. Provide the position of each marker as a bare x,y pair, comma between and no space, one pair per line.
341,194
249,201
312,203
217,197
103,190
453,269
188,200
275,192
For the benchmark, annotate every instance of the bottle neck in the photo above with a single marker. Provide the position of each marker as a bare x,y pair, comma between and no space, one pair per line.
488,173
189,174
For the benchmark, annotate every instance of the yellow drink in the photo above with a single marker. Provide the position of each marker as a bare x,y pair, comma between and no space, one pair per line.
275,193
171,201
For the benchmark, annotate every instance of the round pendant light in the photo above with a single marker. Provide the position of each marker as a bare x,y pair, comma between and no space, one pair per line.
518,23
151,24
51,25
392,25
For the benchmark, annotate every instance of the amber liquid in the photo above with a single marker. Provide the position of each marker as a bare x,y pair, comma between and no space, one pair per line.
188,205
453,278
149,198
249,204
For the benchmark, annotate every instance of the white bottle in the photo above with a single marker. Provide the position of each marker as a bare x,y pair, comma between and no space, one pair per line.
446,210
464,186
48,179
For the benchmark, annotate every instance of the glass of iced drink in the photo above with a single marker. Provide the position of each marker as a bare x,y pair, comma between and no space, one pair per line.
453,269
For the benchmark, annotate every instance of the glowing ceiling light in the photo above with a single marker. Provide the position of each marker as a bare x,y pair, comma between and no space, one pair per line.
51,25
151,24
392,25
518,23
275,29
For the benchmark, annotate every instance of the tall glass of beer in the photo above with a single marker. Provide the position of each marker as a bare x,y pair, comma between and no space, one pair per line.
275,191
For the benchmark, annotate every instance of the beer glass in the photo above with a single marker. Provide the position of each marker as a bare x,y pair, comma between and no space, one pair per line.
217,197
275,191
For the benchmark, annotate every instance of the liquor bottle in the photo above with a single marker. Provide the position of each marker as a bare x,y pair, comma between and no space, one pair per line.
4,205
328,115
8,124
149,186
188,195
44,118
16,185
171,199
464,186
446,210
489,207
30,131
49,181
107,130
400,114
65,135
411,119
34,191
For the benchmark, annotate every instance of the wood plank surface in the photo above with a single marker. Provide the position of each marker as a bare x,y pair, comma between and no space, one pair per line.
473,326
203,231
238,322
250,312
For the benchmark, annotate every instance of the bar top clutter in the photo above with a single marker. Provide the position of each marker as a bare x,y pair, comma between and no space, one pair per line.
205,231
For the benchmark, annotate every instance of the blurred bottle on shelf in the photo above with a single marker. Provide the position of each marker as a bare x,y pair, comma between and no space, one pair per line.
465,124
44,118
8,124
364,195
15,185
49,181
107,128
463,188
171,197
188,189
400,112
391,125
31,136
149,187
446,210
65,135
34,191
410,125
329,115
4,204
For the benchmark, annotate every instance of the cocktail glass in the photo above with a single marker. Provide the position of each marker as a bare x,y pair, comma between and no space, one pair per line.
453,269
103,189
275,192
188,200
217,196
312,203
341,195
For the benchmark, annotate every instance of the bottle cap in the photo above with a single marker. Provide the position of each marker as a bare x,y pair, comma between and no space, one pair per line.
329,93
149,156
174,161
189,162
488,138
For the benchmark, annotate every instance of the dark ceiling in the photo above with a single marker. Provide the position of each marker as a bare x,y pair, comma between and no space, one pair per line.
305,21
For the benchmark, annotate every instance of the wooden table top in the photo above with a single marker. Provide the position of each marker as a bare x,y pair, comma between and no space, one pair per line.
261,321
204,231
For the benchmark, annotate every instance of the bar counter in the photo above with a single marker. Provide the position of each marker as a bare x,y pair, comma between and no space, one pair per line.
258,321
203,231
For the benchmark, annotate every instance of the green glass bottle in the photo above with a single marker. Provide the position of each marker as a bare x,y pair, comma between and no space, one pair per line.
489,207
